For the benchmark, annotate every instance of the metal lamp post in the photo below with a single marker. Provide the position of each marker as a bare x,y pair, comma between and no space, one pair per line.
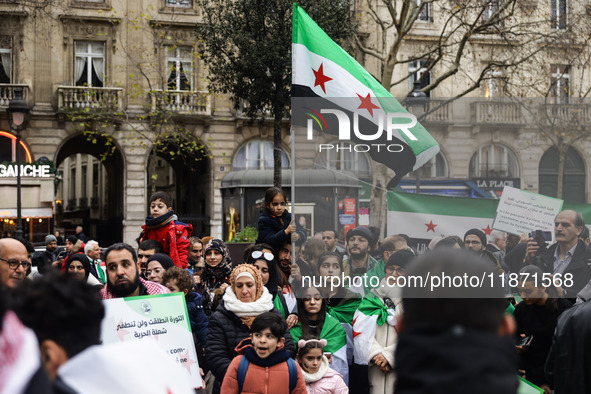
18,115
417,100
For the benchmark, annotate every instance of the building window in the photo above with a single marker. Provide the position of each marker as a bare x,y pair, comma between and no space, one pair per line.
418,72
494,84
493,161
434,168
559,88
344,159
179,3
558,14
491,8
8,149
5,59
89,66
179,63
573,176
258,155
425,11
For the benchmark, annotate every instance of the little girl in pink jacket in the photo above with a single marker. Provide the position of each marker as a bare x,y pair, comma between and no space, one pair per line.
319,377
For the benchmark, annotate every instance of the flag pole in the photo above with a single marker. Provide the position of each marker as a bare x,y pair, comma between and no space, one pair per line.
292,132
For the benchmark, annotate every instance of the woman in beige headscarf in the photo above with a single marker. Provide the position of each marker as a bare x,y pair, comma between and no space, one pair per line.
244,299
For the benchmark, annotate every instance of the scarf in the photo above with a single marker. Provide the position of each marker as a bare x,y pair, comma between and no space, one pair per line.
280,355
314,377
213,277
247,311
160,220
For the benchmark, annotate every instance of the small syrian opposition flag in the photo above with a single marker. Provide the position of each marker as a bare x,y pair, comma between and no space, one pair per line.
425,217
371,313
336,340
341,97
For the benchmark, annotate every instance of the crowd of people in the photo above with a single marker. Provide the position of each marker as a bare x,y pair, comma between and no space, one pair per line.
262,327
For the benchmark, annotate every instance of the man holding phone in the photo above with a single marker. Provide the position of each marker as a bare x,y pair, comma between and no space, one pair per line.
568,258
51,257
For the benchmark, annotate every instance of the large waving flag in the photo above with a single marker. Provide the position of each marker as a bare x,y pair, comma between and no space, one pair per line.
340,96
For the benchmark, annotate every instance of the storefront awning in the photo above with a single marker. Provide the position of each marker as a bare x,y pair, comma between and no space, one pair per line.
10,213
303,178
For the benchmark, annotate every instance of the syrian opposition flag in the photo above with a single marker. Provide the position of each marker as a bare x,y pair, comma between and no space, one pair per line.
371,313
325,78
336,340
424,217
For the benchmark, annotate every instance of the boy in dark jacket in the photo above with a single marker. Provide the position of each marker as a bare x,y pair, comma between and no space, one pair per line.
268,366
164,227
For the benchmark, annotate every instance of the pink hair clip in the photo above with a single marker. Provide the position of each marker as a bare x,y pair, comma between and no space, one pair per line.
303,342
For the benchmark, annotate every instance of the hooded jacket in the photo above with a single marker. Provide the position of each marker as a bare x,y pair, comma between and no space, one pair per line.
455,360
172,235
264,375
225,332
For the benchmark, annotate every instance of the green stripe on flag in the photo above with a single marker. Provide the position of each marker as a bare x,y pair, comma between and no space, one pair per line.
440,205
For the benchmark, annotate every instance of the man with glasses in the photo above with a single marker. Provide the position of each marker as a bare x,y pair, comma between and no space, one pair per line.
14,262
475,240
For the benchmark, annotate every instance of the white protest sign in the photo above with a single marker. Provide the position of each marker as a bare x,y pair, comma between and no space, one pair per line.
162,318
521,211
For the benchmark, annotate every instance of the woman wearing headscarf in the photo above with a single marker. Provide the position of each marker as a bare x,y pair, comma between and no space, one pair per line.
216,274
78,267
157,265
261,255
244,299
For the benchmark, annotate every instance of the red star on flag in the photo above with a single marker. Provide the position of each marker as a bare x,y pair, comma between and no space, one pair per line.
431,226
321,79
367,104
187,361
487,230
355,333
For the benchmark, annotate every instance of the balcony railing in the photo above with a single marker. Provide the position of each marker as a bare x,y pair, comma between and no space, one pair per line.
441,114
496,112
181,102
7,92
83,97
566,114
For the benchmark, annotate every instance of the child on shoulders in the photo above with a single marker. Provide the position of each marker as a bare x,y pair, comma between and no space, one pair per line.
163,226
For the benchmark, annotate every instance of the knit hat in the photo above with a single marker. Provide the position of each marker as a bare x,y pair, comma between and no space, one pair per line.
72,239
252,270
50,238
402,258
479,233
164,260
364,232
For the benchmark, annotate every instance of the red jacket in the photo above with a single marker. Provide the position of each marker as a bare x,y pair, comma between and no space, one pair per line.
261,380
174,238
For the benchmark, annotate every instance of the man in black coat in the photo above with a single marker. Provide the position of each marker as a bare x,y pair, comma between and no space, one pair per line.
569,258
45,260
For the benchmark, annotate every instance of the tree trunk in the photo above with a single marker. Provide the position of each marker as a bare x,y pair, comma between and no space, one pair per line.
277,150
560,181
377,207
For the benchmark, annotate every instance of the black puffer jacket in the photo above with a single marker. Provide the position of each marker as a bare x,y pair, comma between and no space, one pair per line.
225,332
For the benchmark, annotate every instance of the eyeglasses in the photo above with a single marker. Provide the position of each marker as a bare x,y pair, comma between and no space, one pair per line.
392,268
14,263
473,242
276,204
257,254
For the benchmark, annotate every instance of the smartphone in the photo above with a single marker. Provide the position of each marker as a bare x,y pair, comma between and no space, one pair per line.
525,342
546,235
